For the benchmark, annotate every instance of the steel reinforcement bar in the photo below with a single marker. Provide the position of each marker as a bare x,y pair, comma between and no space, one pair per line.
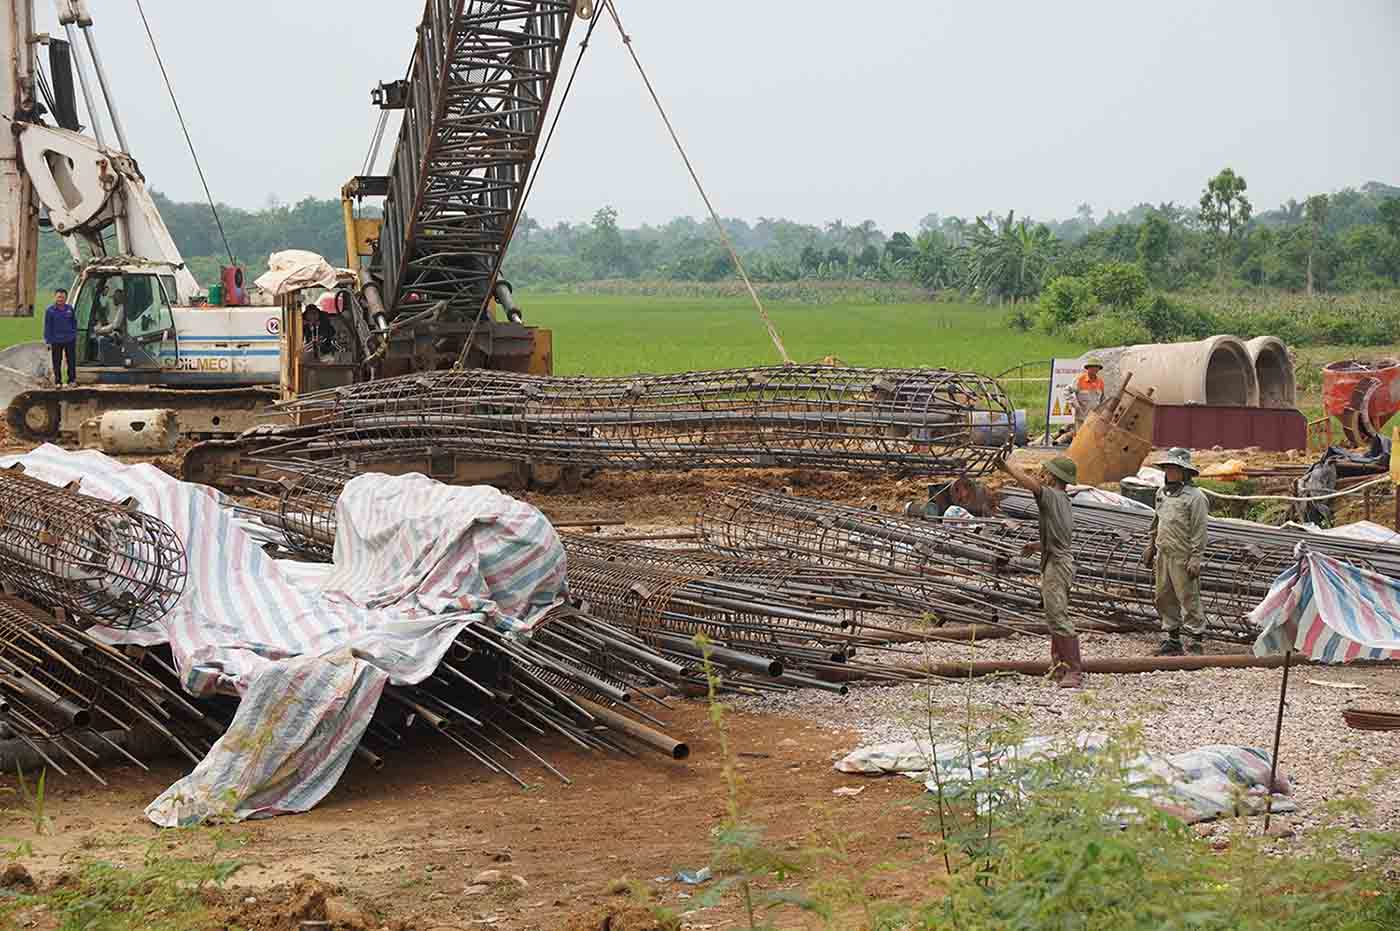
102,562
982,561
61,690
927,421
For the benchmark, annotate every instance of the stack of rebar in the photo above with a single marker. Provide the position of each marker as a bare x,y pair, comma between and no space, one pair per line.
782,623
1275,548
101,562
68,696
571,677
770,625
982,565
928,421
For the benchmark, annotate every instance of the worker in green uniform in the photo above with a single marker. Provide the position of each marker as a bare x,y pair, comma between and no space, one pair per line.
1056,560
1175,547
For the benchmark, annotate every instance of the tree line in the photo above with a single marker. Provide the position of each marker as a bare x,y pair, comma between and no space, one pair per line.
1345,241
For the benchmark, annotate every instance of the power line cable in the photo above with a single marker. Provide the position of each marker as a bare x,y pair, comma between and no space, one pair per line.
185,129
714,215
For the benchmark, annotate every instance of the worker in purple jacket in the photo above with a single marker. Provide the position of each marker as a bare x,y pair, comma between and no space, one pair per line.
61,335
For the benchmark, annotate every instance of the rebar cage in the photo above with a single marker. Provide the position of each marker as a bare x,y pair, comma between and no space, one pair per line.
104,563
928,421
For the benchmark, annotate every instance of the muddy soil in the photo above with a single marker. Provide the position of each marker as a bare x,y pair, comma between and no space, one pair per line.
405,848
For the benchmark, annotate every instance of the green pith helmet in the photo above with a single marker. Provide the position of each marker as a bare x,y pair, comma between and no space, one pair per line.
1064,469
1179,457
1093,363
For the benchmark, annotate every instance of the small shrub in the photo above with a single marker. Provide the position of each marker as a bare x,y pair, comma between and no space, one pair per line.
1064,302
1170,321
1118,284
1109,330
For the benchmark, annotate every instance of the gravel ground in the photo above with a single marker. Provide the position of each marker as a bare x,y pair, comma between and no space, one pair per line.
1177,711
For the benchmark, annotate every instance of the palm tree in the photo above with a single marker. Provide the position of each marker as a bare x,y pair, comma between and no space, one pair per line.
858,238
1011,260
1316,210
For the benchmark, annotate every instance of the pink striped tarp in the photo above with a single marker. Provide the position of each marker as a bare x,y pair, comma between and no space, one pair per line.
1330,611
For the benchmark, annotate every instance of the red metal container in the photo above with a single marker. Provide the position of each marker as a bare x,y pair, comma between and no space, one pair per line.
1363,394
1202,426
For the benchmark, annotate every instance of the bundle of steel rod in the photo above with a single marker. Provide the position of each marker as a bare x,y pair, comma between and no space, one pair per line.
757,604
755,626
492,691
67,695
101,562
1277,545
973,565
911,420
759,644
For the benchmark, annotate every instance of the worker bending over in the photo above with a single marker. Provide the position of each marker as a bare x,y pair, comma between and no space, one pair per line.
1056,561
1175,548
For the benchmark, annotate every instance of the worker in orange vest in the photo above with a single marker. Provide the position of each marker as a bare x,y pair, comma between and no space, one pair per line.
1086,393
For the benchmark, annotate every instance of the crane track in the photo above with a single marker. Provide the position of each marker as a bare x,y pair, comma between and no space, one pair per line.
46,414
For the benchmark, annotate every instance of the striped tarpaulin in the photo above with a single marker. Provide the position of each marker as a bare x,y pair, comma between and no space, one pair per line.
1330,611
415,562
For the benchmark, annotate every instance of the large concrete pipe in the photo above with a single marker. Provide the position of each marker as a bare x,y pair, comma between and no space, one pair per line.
1217,371
1274,369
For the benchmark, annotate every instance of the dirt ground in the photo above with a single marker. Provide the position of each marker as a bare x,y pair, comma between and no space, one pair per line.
405,848
406,844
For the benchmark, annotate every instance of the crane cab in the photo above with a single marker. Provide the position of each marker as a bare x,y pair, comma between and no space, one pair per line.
132,330
126,321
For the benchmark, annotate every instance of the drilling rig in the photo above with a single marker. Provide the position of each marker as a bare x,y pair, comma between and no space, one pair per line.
426,291
147,335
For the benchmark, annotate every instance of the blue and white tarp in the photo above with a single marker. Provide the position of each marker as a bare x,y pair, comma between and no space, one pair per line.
309,653
1197,785
1330,611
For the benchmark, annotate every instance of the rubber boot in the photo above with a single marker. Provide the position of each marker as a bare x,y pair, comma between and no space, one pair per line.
1074,667
1194,647
1057,660
1170,647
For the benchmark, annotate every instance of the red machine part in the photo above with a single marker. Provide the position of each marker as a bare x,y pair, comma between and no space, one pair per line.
1363,395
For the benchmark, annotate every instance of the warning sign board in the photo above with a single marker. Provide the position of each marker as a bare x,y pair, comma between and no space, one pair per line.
1063,372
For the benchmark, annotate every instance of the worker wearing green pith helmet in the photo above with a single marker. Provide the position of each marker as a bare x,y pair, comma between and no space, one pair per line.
1176,546
1056,561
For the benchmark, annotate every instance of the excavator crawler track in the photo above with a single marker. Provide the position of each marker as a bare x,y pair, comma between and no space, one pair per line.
45,414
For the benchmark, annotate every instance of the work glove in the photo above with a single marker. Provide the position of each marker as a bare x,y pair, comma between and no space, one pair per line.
1193,568
1149,556
1030,549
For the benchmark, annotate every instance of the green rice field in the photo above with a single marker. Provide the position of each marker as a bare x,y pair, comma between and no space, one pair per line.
617,335
21,329
609,335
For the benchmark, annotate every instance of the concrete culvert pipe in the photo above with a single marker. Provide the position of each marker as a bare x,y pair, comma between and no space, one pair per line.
1216,371
1274,369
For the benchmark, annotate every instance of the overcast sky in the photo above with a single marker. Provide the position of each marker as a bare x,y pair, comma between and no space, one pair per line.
883,109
